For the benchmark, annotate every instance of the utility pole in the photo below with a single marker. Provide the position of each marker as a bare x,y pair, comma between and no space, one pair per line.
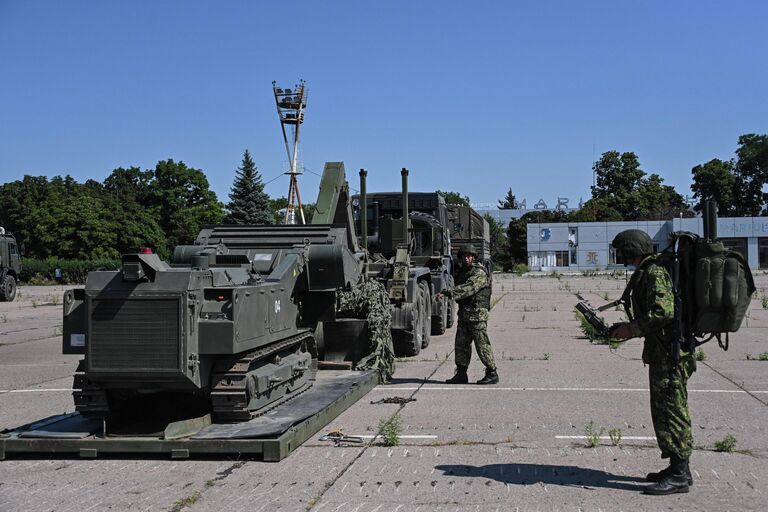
290,109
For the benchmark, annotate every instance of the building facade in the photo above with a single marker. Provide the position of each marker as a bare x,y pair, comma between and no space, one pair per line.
580,246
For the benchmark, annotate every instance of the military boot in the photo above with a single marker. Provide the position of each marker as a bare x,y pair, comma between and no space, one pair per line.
491,377
659,476
460,377
675,480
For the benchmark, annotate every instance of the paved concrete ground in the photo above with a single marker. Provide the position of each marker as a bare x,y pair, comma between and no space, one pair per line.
515,446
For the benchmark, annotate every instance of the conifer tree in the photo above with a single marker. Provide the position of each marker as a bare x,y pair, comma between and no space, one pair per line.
248,203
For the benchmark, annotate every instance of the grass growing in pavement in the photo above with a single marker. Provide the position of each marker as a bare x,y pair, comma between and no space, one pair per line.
726,444
701,355
390,430
592,434
615,435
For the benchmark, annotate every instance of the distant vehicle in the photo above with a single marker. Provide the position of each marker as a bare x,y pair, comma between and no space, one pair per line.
10,266
469,227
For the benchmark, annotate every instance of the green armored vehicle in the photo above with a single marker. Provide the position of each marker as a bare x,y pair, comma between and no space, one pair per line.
233,324
10,266
412,259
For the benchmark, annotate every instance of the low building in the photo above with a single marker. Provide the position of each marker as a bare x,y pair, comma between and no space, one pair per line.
581,246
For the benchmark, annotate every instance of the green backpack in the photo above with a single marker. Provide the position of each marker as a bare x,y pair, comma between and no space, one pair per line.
715,287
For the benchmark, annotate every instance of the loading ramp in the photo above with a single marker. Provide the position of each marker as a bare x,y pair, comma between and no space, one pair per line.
271,436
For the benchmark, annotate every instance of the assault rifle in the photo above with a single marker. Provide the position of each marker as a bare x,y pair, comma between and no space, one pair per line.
590,314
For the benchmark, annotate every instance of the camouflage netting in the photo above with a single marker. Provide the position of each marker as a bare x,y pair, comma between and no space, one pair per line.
371,302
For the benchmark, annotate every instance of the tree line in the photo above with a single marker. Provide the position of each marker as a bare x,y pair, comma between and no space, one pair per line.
132,208
166,206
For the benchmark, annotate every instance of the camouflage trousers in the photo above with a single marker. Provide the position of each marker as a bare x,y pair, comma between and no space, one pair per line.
669,407
468,331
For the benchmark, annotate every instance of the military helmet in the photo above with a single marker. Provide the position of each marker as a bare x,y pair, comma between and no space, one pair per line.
633,243
467,249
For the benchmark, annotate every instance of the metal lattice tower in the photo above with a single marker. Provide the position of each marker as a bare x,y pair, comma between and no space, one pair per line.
290,109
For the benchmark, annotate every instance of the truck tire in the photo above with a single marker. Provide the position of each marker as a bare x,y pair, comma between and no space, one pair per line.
406,341
440,322
7,288
426,303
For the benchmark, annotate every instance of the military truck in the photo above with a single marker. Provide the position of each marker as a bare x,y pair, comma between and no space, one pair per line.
411,258
469,227
10,266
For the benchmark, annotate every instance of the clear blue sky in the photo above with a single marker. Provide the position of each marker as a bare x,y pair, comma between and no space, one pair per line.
470,96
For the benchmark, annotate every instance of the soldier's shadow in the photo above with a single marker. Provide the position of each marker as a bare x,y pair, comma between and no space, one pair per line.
526,474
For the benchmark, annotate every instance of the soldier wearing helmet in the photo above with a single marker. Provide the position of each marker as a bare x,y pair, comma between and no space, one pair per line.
472,291
652,313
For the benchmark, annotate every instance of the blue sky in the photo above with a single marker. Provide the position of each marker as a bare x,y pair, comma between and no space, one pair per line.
474,97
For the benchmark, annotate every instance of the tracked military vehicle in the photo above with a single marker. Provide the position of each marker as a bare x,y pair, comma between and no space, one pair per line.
10,266
407,235
228,325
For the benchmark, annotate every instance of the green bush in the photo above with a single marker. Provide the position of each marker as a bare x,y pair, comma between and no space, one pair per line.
72,271
726,444
520,268
390,429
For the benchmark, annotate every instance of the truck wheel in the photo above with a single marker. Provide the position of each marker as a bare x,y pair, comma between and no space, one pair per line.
440,320
405,340
426,309
8,289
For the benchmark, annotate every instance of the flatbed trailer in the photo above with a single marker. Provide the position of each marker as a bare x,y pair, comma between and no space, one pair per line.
272,436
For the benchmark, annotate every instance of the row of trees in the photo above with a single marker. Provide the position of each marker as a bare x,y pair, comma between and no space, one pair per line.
158,208
167,205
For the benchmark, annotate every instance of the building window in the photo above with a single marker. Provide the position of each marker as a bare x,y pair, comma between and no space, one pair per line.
561,258
762,252
613,257
736,244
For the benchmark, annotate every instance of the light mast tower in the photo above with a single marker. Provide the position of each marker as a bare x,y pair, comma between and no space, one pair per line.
290,109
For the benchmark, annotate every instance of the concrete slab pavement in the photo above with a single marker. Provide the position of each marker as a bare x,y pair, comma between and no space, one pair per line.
506,447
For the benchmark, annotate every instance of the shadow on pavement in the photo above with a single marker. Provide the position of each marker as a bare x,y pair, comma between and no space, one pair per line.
525,474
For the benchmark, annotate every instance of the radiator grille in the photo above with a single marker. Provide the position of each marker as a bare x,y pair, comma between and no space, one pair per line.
134,334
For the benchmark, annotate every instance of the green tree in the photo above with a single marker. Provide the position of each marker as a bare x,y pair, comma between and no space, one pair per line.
657,201
716,181
454,198
621,187
184,201
130,184
509,202
133,208
22,201
751,170
499,246
248,203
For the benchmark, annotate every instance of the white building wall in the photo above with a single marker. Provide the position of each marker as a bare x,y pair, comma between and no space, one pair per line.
592,244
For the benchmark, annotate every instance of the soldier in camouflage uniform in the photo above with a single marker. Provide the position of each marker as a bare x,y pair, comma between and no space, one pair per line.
472,291
653,311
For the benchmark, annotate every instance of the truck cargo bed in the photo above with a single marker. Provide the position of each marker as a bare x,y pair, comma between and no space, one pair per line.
273,436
